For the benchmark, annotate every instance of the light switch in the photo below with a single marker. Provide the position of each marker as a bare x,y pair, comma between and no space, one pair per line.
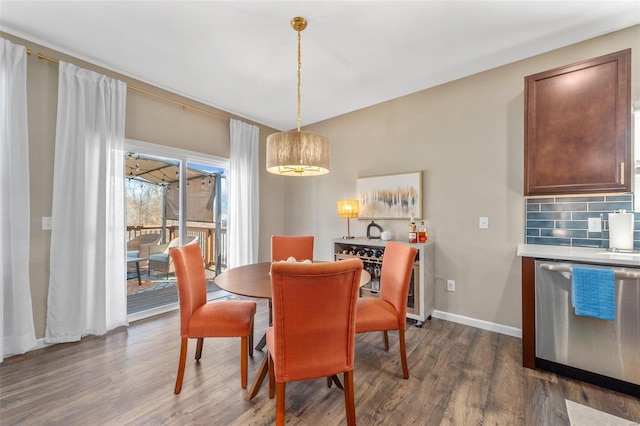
46,223
484,223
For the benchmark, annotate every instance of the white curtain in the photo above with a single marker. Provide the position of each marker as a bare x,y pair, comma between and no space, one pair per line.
16,320
87,284
243,195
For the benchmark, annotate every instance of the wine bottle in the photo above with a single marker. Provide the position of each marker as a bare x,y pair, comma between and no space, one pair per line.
413,235
422,233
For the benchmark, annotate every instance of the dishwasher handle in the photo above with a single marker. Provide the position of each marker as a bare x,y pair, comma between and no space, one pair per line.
619,274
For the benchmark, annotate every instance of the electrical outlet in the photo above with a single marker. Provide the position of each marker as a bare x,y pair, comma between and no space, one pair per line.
484,223
451,285
595,224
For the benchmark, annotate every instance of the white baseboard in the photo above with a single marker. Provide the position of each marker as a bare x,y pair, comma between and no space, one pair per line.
41,344
485,325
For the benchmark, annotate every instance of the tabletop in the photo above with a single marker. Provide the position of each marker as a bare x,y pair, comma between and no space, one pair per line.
255,281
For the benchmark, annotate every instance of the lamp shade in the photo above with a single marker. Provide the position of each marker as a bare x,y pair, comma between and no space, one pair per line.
298,153
348,208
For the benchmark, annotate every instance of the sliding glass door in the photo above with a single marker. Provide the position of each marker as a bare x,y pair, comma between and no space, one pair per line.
174,198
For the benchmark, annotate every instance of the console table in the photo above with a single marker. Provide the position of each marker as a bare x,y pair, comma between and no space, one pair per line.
420,303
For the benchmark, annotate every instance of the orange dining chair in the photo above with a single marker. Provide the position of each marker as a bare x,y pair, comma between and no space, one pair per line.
313,331
284,247
199,319
389,311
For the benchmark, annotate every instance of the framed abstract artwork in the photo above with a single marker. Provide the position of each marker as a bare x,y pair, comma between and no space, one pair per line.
396,196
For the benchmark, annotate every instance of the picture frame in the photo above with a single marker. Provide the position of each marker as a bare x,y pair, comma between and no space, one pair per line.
391,196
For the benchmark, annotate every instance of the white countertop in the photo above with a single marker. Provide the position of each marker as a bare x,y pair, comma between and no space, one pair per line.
578,254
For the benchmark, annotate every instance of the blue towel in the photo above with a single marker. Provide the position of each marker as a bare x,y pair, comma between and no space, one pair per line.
593,292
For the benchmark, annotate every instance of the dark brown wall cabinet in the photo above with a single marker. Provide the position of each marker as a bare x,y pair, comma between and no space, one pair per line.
577,128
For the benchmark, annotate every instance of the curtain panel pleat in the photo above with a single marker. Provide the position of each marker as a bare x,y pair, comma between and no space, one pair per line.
243,194
87,284
16,319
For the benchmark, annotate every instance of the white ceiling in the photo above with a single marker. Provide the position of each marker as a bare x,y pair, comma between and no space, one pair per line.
241,56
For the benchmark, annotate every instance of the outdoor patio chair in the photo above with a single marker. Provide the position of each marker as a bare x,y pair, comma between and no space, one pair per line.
159,258
139,246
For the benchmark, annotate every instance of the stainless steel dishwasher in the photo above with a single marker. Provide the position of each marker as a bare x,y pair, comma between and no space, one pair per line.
606,353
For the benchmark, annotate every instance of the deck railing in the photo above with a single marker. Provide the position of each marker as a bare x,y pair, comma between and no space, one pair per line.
206,239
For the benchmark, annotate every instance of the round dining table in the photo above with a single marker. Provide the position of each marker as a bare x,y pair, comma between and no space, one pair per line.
254,281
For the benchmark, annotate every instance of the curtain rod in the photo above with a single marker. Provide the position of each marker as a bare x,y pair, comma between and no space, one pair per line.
146,92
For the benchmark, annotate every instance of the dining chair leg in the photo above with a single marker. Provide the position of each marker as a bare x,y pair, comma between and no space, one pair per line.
403,353
329,381
280,403
251,340
199,348
349,398
272,377
181,364
385,340
244,360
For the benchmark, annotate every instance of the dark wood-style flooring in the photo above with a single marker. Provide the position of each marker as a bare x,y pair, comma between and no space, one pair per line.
460,375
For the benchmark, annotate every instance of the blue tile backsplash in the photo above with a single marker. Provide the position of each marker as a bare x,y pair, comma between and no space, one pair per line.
563,221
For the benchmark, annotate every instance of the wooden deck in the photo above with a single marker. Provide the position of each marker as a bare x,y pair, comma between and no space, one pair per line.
150,298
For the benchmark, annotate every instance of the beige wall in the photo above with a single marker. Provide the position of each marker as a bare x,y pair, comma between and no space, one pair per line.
467,137
148,119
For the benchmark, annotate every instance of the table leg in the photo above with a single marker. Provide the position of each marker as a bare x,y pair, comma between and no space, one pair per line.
138,271
260,375
334,379
262,343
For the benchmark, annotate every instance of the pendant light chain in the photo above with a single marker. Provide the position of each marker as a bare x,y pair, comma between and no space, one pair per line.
299,68
298,152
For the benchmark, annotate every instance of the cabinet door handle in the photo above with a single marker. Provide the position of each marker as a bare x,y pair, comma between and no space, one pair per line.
622,173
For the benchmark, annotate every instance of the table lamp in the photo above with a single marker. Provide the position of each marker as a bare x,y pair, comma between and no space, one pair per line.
348,209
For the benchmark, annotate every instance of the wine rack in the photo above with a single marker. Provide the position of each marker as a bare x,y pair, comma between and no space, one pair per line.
420,302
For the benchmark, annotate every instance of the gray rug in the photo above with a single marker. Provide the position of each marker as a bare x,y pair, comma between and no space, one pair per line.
158,285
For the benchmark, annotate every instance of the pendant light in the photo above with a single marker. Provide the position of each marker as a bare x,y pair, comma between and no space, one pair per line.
297,152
